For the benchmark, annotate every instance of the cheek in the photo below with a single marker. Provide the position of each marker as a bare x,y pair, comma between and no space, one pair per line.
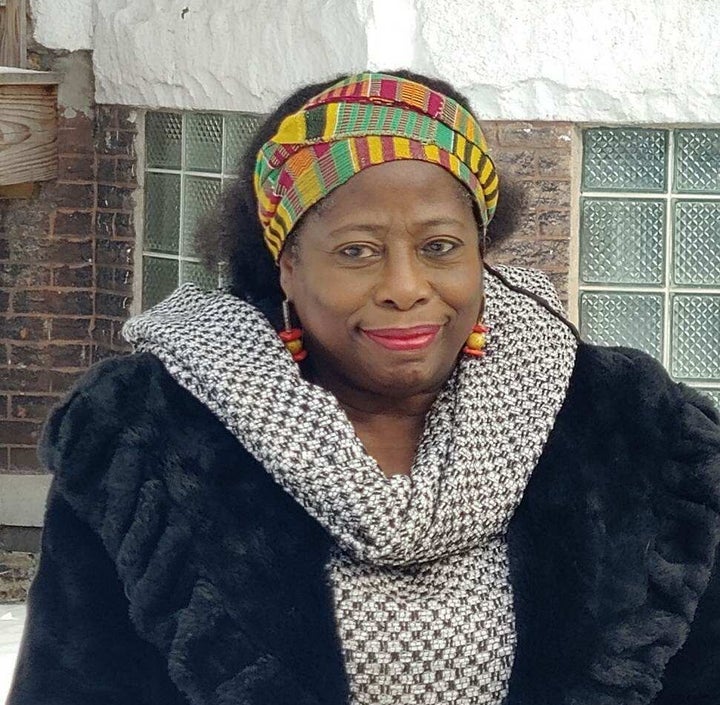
327,312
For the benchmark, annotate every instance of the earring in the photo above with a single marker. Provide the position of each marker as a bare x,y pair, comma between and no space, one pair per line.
292,337
477,340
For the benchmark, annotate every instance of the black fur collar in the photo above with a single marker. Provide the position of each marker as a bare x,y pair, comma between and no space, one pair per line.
611,548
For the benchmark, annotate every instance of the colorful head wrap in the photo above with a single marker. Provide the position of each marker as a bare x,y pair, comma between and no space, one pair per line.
361,121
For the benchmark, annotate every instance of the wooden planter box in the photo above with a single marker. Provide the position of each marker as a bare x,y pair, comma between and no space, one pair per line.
28,125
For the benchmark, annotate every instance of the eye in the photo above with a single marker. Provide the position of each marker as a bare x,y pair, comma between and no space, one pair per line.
358,251
440,247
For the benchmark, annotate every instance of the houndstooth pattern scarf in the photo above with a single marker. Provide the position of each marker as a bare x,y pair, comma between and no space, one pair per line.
419,572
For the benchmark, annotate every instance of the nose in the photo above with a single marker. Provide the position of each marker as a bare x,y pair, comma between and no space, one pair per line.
403,281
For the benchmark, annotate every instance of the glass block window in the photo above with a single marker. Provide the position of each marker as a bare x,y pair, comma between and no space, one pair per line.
649,268
189,159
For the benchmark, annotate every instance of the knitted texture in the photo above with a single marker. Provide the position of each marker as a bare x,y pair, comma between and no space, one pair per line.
361,121
419,573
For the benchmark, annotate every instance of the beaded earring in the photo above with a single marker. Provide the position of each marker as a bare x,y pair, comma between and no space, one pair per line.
292,337
477,340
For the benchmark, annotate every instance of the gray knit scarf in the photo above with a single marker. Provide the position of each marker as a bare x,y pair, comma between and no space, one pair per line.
407,545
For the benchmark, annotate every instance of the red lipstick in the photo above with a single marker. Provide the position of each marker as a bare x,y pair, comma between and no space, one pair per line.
414,338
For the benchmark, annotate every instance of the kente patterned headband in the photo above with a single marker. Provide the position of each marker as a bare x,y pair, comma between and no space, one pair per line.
364,120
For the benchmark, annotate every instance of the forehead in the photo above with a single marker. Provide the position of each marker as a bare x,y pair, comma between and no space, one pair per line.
407,182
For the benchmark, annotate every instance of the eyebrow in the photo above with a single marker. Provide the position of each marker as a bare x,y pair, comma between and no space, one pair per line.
371,227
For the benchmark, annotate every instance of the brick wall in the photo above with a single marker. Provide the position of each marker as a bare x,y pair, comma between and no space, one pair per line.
535,158
65,275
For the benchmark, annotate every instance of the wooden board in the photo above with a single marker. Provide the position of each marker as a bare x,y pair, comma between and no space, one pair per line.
13,32
28,133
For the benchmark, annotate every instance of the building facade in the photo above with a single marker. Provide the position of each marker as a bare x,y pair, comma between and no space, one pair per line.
605,116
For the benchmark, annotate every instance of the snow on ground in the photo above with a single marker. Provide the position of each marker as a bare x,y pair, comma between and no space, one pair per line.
12,619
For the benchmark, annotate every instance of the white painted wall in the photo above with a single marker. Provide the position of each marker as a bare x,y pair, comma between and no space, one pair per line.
63,24
227,55
579,60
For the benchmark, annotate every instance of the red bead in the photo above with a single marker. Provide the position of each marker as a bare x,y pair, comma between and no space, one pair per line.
293,334
473,351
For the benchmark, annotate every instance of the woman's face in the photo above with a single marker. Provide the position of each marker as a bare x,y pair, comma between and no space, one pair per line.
386,279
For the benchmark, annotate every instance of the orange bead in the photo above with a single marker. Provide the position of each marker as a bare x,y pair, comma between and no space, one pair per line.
294,346
476,341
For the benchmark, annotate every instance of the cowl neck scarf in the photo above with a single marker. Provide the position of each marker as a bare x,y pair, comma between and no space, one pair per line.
482,437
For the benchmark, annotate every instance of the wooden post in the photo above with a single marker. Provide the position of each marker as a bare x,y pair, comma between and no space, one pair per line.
13,29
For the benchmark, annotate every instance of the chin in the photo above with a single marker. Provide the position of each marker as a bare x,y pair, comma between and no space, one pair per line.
407,379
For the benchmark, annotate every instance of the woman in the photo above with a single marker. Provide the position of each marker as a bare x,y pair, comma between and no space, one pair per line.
425,489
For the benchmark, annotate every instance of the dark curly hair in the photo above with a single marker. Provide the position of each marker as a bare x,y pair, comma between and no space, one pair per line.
231,236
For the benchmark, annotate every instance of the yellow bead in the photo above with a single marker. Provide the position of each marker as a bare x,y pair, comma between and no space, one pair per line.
476,341
294,346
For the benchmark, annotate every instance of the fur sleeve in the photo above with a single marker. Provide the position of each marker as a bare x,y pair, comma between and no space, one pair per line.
693,676
79,647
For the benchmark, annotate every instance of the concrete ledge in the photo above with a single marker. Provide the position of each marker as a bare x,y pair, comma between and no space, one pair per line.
22,499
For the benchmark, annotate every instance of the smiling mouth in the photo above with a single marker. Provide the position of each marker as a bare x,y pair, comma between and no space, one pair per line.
414,338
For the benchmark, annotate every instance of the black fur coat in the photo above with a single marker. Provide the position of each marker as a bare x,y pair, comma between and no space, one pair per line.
174,570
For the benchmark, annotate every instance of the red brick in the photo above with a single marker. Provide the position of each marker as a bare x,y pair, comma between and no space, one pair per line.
76,137
106,116
550,255
116,142
115,197
50,355
554,225
20,432
106,169
29,356
120,252
553,164
544,135
104,353
72,195
23,380
62,381
117,280
108,334
78,277
111,224
24,328
24,276
68,251
32,407
514,162
4,300
76,167
73,356
126,171
70,328
554,194
24,460
127,118
51,301
113,305
78,223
